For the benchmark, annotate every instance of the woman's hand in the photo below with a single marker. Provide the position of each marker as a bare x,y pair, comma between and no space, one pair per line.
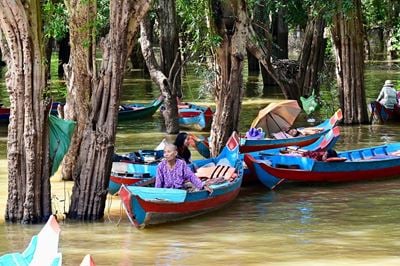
210,190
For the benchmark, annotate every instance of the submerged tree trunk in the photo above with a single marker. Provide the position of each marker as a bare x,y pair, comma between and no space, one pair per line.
78,74
347,34
91,171
295,78
169,43
280,36
164,82
312,57
29,199
230,22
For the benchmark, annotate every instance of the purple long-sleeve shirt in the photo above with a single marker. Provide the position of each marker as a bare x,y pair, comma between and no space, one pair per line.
176,177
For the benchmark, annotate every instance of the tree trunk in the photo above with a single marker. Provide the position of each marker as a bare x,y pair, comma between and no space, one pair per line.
294,78
280,35
29,199
312,57
169,43
164,83
230,22
78,75
347,34
91,171
276,68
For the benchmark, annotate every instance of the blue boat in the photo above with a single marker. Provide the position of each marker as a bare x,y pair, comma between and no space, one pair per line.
42,250
251,145
5,112
138,111
128,173
369,163
194,116
324,143
149,206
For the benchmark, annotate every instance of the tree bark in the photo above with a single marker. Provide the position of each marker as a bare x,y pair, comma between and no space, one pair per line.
347,34
29,199
312,57
169,43
78,74
230,21
275,68
294,78
92,168
164,82
280,35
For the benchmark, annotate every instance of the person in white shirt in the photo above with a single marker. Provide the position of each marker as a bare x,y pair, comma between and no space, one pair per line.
388,95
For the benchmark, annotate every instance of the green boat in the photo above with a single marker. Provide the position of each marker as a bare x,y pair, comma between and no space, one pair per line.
138,110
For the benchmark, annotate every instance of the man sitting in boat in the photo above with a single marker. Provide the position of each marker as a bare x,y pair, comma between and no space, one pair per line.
174,173
388,95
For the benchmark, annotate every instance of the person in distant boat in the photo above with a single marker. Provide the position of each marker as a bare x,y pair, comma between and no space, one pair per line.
182,143
388,95
174,173
330,153
293,132
320,155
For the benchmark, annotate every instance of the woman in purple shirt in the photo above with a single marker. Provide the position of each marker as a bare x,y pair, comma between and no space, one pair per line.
173,172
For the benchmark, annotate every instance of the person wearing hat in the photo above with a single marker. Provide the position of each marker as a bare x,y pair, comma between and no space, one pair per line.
388,95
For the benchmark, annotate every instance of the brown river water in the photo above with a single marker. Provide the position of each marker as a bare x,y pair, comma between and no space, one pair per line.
314,224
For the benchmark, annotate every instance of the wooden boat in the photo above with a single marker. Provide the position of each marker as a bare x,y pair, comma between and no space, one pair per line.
376,162
138,110
324,143
195,115
128,173
42,250
383,114
251,145
5,112
149,206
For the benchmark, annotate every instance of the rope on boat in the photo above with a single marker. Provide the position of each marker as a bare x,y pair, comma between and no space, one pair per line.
120,213
109,207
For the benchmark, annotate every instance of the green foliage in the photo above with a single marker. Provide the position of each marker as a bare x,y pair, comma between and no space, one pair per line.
374,13
102,23
208,78
383,14
329,92
197,36
396,38
55,18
